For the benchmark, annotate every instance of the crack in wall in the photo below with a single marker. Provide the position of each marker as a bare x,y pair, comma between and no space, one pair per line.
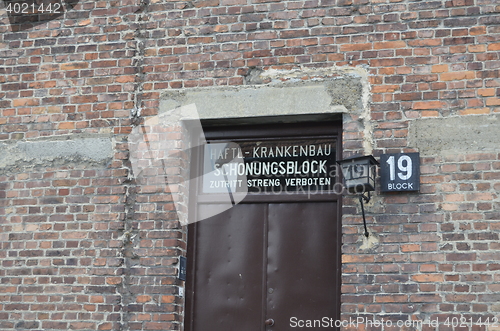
127,250
138,60
129,231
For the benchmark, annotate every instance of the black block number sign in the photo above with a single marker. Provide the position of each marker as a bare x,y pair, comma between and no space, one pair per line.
400,172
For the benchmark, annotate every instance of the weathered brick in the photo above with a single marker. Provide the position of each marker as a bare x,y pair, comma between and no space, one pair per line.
494,47
74,66
457,75
422,105
428,278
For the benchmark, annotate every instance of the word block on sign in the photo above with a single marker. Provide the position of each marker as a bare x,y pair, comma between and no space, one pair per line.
400,172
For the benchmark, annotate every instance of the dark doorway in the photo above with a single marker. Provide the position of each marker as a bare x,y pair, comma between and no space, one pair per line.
272,260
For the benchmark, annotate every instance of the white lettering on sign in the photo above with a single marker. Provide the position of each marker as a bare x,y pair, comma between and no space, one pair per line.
224,183
292,151
225,153
307,181
263,182
400,186
269,165
405,173
257,168
404,165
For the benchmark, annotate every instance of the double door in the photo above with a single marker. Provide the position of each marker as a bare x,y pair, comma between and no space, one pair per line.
271,261
264,266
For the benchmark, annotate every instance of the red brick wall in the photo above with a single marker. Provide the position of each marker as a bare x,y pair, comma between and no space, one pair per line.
85,247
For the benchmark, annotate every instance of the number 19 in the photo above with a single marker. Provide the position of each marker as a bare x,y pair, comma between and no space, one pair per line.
404,165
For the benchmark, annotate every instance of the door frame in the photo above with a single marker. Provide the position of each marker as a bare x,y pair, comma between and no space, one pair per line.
271,131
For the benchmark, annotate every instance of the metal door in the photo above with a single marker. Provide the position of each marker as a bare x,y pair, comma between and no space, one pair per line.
227,288
265,263
301,252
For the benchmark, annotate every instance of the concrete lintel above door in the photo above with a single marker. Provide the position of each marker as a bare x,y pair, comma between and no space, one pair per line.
314,97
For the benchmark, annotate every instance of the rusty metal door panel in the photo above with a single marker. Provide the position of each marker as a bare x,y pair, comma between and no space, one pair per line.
228,282
257,262
302,278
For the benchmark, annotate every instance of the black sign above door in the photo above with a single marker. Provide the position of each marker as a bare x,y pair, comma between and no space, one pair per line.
270,166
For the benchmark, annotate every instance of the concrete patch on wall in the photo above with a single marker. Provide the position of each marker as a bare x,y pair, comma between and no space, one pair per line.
256,101
347,86
462,134
282,95
286,95
62,150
